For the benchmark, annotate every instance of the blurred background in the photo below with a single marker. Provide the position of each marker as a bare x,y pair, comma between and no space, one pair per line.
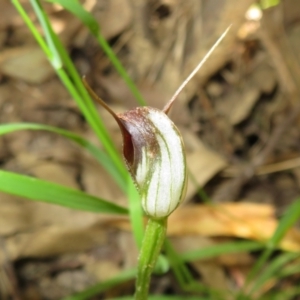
239,117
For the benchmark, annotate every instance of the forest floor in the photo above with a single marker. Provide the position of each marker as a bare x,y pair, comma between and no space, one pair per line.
240,121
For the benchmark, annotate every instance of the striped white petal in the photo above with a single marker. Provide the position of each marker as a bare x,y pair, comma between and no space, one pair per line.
157,163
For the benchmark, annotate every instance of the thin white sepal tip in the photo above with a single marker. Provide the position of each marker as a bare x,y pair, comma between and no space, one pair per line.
192,74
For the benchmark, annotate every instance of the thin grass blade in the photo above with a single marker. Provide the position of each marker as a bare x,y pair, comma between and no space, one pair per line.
290,217
100,155
216,250
75,8
287,294
55,56
275,266
136,213
288,220
58,55
103,286
41,190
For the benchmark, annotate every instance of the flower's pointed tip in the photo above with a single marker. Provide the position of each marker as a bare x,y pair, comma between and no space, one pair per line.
100,101
168,106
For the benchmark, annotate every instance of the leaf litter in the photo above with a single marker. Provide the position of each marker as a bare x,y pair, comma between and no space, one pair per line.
240,148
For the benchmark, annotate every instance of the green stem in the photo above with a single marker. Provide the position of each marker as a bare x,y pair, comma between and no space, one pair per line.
152,243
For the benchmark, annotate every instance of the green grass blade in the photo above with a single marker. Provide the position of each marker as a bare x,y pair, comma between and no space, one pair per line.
103,286
181,272
86,106
274,267
41,190
75,8
55,57
208,252
76,87
287,221
123,277
225,248
100,155
73,83
288,271
184,276
136,213
287,294
97,126
33,29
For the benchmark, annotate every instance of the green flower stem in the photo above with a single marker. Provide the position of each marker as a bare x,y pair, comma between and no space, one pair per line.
152,243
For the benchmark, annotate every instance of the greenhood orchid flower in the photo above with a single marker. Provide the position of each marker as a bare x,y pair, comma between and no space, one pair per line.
154,154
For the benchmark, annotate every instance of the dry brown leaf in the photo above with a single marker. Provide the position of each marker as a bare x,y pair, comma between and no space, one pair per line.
243,220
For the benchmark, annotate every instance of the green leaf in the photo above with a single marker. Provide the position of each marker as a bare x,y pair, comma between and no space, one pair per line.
100,155
41,190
